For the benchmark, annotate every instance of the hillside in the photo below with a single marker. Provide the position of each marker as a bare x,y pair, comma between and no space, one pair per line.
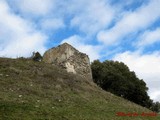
37,91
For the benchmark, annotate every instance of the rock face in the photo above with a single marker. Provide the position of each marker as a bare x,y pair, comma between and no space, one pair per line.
70,59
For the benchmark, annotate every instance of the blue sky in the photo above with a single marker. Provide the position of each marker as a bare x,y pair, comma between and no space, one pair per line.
123,30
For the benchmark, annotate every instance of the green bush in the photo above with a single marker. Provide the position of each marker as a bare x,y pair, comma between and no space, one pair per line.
37,56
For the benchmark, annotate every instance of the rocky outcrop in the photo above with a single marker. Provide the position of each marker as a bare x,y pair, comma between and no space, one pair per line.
69,58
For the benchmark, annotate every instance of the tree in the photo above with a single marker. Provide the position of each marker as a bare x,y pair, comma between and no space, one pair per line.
156,107
116,78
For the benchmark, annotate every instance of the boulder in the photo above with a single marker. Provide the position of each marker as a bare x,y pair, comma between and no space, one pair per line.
70,59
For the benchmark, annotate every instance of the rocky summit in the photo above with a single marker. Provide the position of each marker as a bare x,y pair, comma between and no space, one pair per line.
67,57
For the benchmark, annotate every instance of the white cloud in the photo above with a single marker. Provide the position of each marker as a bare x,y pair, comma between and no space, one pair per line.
91,50
92,15
52,24
34,7
147,67
148,38
18,36
156,94
134,21
88,16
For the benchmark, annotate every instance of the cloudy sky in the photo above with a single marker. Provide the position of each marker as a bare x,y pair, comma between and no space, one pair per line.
123,30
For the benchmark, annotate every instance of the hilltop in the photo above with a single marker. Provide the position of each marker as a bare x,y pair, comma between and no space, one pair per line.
32,90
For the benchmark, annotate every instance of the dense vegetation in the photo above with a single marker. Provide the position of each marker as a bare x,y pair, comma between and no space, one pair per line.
116,78
31,90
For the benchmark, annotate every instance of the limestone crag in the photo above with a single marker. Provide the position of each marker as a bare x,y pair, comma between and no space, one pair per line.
69,58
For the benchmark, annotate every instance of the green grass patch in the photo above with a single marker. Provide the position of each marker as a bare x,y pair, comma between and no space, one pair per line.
37,91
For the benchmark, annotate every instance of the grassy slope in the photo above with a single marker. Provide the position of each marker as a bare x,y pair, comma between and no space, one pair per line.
37,91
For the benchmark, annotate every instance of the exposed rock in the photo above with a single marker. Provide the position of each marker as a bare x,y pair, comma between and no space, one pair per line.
70,59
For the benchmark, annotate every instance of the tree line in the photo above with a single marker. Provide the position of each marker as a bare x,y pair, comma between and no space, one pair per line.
115,77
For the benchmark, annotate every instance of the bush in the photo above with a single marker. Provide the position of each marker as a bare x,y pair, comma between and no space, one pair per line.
36,56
